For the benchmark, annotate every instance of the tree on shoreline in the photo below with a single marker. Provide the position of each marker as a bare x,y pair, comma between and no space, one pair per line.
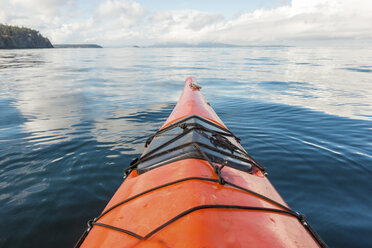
21,37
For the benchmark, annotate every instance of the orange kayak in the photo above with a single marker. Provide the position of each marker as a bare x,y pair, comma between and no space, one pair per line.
195,186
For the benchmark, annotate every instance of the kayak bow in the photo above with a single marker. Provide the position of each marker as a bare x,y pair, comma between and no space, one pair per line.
195,186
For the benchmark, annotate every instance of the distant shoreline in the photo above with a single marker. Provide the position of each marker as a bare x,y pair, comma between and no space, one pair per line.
77,46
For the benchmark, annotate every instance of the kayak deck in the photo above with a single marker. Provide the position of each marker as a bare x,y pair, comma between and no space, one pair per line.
169,199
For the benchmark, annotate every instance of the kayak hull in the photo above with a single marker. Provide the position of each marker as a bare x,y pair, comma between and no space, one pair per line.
176,191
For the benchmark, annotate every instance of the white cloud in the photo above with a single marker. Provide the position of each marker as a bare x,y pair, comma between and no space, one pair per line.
114,8
43,15
126,22
118,15
41,6
181,26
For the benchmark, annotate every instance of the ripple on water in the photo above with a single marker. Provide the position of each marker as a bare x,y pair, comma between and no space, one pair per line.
358,69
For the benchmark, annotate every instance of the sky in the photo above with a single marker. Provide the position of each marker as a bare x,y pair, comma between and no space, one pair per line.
147,22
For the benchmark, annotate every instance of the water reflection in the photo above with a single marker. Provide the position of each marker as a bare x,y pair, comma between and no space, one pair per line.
13,59
126,130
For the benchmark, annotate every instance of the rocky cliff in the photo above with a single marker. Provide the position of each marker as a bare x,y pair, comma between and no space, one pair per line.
13,37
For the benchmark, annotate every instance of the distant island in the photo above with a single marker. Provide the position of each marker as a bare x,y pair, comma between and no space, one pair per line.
76,46
208,45
182,45
14,37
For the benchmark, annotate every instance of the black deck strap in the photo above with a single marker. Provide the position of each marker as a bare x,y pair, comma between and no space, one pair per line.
200,207
82,238
215,206
164,145
315,235
118,229
177,124
186,131
181,123
217,140
153,189
258,195
131,166
188,179
91,222
216,169
193,209
221,180
205,156
286,210
193,178
129,169
247,160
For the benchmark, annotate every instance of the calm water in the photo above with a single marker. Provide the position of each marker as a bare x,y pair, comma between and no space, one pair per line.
72,119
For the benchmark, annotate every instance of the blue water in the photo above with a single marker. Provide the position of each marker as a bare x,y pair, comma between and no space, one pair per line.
72,119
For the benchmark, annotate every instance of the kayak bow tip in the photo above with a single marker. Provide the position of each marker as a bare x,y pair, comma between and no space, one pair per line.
191,82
